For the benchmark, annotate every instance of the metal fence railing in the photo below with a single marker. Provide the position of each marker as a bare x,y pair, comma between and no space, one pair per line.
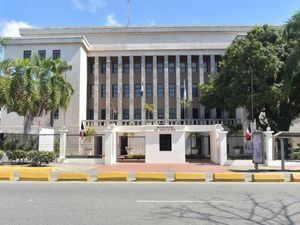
238,147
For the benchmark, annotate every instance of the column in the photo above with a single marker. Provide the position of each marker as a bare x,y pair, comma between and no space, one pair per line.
268,136
154,66
131,89
143,85
213,73
62,144
166,85
120,90
201,81
96,88
107,91
189,83
110,145
178,105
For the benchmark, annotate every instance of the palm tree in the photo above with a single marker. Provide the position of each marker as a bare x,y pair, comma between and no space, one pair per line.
149,109
33,88
186,105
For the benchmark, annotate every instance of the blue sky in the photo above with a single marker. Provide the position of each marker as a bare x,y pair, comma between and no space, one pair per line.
57,13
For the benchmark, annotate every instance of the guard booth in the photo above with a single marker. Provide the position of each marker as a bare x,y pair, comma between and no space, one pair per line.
288,145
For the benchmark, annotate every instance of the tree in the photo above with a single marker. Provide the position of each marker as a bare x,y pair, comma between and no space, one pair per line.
34,87
149,109
270,58
185,103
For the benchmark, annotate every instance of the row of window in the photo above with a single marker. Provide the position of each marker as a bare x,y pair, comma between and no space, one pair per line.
42,54
149,67
149,90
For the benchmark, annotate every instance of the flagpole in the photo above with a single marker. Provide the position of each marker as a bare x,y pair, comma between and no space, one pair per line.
252,104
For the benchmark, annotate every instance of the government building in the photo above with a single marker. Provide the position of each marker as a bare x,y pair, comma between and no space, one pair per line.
137,89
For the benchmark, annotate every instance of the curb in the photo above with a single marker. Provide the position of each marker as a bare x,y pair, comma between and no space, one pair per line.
73,177
189,177
228,177
112,176
264,177
150,177
35,176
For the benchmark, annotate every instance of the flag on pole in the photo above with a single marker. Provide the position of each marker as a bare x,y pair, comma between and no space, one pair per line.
184,91
82,131
142,89
248,133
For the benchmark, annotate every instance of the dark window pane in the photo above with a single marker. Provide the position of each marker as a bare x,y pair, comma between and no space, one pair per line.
103,90
165,142
149,90
160,90
56,54
42,54
137,90
125,114
161,113
172,90
137,114
125,90
27,54
114,90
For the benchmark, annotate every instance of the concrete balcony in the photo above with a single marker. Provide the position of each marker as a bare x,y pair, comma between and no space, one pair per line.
97,123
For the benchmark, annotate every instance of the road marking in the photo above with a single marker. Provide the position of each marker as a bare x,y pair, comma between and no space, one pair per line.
178,201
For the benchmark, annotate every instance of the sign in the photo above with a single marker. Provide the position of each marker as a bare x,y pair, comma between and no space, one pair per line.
258,147
165,128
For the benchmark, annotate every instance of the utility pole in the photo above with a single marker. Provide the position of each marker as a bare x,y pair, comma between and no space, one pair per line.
128,12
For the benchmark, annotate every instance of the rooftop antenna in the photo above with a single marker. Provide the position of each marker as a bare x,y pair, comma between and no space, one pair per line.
128,12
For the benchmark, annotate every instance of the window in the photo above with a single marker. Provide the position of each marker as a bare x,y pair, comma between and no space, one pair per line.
56,114
232,114
149,115
103,114
172,113
125,114
114,114
27,54
195,90
183,114
91,91
137,114
182,67
205,67
218,113
137,90
181,90
149,90
148,67
207,113
137,67
171,67
103,67
172,90
160,67
165,142
91,114
161,113
103,90
114,88
56,54
42,54
194,67
115,67
126,68
125,90
195,113
160,90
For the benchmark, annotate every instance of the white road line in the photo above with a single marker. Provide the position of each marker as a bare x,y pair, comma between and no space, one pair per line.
178,201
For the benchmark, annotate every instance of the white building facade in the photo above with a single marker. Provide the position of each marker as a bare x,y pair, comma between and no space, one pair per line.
119,72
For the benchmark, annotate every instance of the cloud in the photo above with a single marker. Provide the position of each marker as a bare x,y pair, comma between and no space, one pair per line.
111,20
11,28
91,6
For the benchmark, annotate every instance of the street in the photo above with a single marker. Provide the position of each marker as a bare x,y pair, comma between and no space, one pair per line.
36,203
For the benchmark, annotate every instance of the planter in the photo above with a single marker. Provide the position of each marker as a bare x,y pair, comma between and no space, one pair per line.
237,151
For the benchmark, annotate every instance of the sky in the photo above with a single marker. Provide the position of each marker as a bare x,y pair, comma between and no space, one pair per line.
65,13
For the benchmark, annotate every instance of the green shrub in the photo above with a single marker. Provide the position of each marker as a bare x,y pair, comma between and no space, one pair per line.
16,156
40,158
1,154
135,157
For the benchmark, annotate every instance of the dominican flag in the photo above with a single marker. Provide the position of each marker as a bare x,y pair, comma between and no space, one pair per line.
142,89
82,132
248,133
184,91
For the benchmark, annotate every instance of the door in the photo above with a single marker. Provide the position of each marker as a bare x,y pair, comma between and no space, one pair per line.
98,146
124,144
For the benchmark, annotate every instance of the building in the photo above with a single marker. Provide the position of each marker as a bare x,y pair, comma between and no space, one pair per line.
117,70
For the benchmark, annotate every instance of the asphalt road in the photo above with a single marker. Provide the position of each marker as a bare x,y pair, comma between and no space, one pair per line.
37,203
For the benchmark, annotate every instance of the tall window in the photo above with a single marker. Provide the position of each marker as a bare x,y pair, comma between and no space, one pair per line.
115,67
149,90
125,114
103,67
125,90
172,113
27,54
148,67
207,113
114,88
172,90
205,67
56,54
195,113
195,90
137,90
182,67
91,91
171,67
160,90
160,67
103,90
42,54
56,115
218,113
137,67
161,113
181,90
103,114
194,67
126,68
137,114
165,142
